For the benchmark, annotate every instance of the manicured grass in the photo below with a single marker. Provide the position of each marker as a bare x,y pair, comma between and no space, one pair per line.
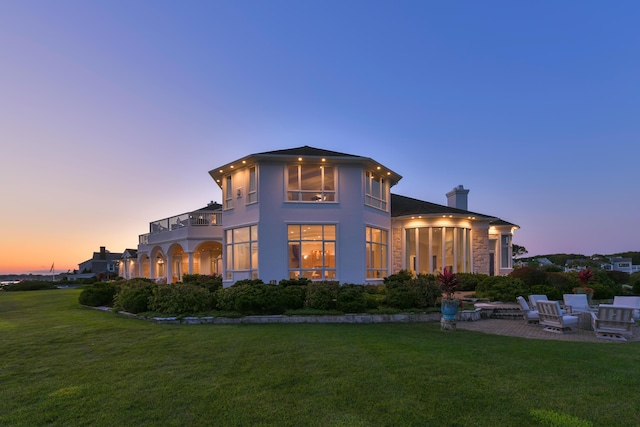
63,365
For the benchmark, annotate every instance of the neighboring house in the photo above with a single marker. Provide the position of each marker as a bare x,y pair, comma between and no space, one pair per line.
621,264
101,262
128,264
323,215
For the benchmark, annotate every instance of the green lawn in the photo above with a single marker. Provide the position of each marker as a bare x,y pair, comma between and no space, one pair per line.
64,365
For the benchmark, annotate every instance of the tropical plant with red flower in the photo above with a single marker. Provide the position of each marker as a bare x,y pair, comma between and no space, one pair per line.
585,277
448,283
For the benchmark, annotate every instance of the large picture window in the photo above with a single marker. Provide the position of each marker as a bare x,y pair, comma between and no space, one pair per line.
432,249
242,251
312,251
311,183
377,246
375,191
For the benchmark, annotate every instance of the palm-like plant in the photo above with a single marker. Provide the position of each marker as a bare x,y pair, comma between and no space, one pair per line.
448,283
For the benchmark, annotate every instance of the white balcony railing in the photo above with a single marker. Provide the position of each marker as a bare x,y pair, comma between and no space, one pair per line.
189,219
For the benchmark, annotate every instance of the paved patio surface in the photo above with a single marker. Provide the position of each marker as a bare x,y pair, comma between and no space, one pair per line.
520,328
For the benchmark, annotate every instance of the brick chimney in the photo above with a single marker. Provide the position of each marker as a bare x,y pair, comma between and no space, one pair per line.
457,198
103,254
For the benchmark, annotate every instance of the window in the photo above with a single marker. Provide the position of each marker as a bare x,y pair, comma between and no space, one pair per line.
505,243
312,251
375,191
432,249
228,192
311,183
376,241
242,251
252,195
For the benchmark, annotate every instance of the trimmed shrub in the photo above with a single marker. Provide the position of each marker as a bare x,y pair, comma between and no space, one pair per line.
551,292
529,276
469,281
501,288
351,299
99,294
563,283
602,291
618,277
180,299
400,276
211,282
634,282
303,281
421,292
134,296
322,295
30,285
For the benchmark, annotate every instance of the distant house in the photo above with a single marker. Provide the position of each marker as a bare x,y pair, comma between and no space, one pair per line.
322,215
101,262
621,264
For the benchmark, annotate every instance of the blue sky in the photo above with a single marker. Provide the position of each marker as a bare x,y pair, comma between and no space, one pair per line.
113,112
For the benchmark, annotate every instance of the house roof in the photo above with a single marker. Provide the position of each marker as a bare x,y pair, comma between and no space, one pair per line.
305,153
404,206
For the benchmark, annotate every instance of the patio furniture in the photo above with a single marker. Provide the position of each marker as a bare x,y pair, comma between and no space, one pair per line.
551,317
533,300
633,302
613,322
531,316
578,303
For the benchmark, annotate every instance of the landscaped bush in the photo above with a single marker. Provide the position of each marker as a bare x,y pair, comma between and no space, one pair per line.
253,297
322,295
618,277
351,299
303,281
421,292
469,281
400,276
30,285
562,282
211,282
180,299
134,296
602,291
501,288
551,292
634,282
98,294
529,276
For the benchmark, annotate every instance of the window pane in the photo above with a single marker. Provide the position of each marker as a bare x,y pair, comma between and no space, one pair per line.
330,254
241,234
311,178
330,232
328,179
294,232
293,178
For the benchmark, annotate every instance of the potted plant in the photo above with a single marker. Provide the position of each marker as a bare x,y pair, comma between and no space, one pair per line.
585,276
449,304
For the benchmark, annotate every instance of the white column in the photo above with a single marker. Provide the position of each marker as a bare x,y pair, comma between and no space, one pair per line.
190,257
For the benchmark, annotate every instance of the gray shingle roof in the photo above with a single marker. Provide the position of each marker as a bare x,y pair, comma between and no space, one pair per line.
306,151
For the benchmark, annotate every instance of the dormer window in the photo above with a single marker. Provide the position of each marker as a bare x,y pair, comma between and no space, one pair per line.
376,190
311,183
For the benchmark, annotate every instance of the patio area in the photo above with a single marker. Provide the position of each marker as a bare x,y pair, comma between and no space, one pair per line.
520,328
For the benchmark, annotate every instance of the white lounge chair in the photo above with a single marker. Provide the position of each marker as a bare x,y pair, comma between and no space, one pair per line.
578,303
633,302
551,317
533,300
531,316
613,322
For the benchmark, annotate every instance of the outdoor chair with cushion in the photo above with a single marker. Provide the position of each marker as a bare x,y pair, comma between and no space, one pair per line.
533,300
633,302
578,303
531,316
550,316
613,322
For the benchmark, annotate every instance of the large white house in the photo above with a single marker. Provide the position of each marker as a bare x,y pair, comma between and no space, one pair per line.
323,215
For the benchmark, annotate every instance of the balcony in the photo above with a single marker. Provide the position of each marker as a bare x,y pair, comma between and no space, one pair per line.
197,224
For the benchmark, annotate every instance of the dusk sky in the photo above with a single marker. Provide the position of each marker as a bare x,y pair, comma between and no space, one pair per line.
113,112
